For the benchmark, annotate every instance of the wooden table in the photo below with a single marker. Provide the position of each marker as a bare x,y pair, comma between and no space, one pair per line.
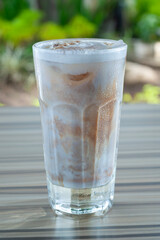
24,209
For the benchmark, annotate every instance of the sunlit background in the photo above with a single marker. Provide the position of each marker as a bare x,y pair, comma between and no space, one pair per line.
23,22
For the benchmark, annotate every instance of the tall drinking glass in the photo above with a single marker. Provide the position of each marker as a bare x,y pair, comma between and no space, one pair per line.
80,84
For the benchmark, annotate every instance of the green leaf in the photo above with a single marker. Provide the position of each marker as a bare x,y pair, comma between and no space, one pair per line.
127,98
11,8
35,102
51,30
147,27
22,29
79,26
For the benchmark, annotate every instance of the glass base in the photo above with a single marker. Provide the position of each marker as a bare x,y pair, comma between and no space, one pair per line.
71,201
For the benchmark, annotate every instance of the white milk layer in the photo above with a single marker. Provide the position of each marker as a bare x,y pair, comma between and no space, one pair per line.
80,50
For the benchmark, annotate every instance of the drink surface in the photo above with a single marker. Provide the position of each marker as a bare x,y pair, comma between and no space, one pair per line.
78,51
82,46
80,107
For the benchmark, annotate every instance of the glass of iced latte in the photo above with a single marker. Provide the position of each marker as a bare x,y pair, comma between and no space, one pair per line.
80,84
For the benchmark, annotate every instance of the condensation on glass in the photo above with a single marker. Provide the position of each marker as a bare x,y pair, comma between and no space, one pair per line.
80,86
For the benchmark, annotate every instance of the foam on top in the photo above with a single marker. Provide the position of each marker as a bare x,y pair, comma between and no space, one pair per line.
80,50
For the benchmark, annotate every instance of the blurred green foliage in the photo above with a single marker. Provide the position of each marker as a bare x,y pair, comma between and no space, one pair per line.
79,26
127,98
67,9
97,11
51,30
144,18
147,6
11,8
27,27
147,27
93,10
149,94
16,67
21,29
35,102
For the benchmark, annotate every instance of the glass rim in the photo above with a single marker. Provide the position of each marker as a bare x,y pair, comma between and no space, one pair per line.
41,46
77,56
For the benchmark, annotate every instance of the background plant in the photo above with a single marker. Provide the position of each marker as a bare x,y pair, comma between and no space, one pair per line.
22,29
16,67
93,10
10,9
149,94
144,19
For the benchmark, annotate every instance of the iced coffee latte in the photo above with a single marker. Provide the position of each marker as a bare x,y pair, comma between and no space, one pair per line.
80,86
